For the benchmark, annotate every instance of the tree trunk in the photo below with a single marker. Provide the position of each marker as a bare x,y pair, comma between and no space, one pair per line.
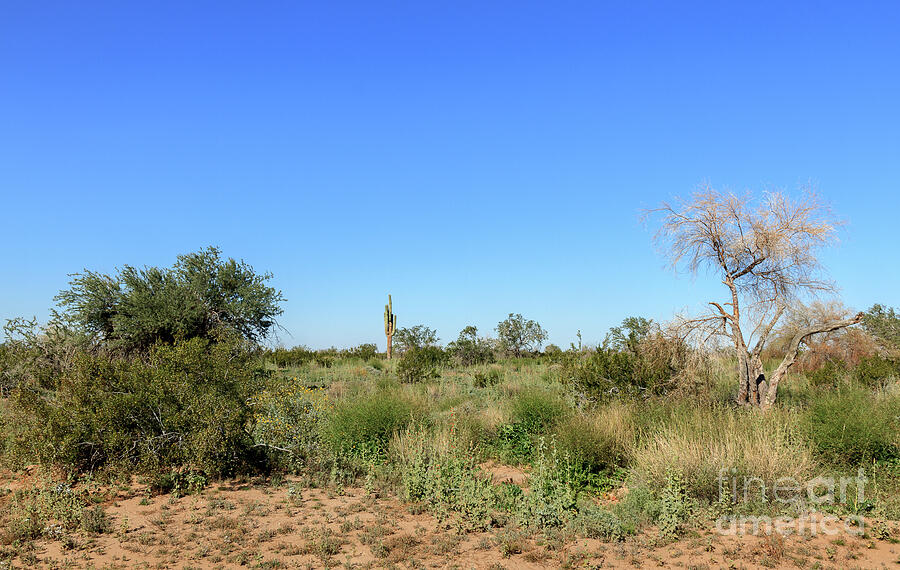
757,378
748,393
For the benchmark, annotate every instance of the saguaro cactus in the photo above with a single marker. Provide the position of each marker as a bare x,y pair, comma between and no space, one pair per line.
390,325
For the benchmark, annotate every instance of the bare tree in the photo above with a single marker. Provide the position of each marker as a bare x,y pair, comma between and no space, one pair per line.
766,252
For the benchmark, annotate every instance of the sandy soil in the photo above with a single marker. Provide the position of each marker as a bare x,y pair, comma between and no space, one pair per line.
237,524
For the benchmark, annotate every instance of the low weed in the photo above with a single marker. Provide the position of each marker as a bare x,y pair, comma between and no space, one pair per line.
29,513
554,493
446,479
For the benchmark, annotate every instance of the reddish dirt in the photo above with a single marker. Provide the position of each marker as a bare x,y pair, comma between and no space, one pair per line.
237,524
505,474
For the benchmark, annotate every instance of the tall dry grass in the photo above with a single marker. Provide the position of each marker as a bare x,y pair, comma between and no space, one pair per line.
600,439
700,442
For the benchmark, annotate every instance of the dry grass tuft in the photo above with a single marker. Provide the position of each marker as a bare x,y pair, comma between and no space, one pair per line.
700,442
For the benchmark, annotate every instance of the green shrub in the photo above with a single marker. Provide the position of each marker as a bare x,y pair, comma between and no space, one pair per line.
637,508
418,336
649,366
418,364
95,521
183,405
28,513
297,356
876,371
536,410
533,411
364,351
469,350
853,426
365,424
515,443
830,374
884,324
603,374
324,360
179,483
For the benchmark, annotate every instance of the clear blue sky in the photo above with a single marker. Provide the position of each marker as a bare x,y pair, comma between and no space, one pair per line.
471,158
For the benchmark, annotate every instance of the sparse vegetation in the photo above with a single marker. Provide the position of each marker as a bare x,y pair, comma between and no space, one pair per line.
531,449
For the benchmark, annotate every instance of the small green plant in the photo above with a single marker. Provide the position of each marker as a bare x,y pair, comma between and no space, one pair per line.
447,481
674,506
95,521
598,443
515,443
552,501
179,483
596,522
638,508
490,377
537,410
30,512
510,541
533,411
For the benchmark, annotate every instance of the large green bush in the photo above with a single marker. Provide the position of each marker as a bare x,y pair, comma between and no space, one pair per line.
297,356
181,405
200,296
651,367
884,324
288,420
635,359
853,426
